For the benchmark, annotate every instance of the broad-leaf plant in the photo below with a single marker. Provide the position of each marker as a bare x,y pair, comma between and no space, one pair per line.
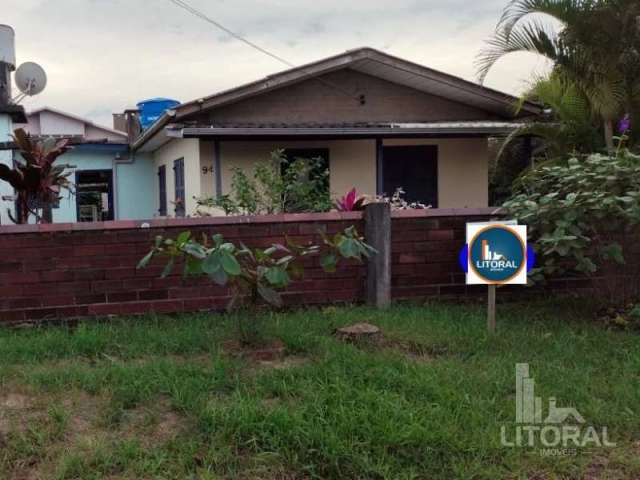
583,215
254,275
35,178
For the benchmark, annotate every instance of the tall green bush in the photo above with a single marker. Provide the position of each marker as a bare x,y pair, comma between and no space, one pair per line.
277,185
582,216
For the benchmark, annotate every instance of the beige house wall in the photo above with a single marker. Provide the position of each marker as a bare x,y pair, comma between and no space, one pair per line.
463,170
318,100
189,149
352,162
207,177
462,167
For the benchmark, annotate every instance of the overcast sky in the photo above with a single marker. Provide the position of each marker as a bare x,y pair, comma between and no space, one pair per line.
104,55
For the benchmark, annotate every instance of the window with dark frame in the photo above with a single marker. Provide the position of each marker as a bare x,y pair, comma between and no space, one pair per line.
162,191
322,154
94,195
415,169
178,169
321,164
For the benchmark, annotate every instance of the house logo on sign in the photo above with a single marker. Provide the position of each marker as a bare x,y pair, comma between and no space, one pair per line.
497,254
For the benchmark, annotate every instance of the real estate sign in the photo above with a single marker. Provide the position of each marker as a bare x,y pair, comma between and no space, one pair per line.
496,253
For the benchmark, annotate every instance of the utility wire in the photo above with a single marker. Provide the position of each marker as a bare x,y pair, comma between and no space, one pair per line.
199,14
184,5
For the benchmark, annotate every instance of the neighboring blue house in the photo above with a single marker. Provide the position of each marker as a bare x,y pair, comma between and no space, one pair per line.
110,184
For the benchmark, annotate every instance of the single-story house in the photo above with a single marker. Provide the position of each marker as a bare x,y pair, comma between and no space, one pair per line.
380,121
108,184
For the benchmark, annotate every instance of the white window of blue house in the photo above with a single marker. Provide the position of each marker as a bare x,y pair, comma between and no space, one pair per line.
178,170
94,195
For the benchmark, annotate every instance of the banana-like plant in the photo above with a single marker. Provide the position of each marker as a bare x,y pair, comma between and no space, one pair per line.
35,178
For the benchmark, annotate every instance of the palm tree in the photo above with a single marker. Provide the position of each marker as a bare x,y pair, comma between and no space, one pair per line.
567,126
597,49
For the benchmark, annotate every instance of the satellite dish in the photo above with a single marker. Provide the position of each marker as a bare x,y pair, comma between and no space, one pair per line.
30,78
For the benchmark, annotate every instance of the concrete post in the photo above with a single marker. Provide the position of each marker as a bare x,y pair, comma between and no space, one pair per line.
377,217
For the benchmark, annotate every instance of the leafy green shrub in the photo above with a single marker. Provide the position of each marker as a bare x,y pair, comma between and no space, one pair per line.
254,275
581,216
278,185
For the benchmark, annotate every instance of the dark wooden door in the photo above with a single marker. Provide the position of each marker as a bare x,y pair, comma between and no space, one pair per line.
415,169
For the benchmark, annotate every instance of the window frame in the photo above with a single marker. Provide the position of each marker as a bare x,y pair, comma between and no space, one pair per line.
162,190
179,187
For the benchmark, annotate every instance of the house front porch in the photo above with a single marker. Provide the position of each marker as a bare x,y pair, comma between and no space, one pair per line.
445,165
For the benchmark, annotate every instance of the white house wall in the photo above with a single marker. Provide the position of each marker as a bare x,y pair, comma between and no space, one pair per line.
189,150
97,133
54,124
6,157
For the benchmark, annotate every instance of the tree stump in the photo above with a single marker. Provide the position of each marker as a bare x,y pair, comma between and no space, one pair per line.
360,333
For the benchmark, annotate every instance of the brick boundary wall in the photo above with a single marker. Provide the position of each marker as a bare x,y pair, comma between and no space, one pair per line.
63,271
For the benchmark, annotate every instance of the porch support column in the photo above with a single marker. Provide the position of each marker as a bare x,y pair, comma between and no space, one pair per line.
377,225
528,150
217,169
379,167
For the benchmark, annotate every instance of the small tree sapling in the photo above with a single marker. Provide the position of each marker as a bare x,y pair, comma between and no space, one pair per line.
254,275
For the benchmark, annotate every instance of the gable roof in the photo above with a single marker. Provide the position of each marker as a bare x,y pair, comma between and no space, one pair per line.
77,118
368,61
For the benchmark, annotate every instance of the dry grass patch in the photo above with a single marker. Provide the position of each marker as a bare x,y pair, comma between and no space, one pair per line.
39,430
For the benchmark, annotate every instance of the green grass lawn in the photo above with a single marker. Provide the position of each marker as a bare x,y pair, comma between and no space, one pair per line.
159,398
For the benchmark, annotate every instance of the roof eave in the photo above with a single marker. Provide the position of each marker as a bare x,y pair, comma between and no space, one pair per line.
154,129
248,132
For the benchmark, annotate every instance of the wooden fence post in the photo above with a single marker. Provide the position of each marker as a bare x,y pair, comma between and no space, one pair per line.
377,220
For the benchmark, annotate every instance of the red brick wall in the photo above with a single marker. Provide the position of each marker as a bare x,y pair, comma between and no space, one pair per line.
55,272
424,255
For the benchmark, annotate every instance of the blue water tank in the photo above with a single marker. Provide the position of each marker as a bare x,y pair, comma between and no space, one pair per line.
151,110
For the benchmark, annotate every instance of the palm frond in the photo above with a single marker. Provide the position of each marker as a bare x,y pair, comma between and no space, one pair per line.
533,37
565,11
552,134
562,96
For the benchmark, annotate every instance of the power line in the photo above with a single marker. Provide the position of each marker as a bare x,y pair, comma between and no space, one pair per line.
206,18
184,5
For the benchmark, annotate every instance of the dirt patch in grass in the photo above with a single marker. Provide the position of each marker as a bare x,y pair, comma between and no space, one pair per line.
416,351
284,363
620,463
152,425
37,429
411,350
17,408
267,351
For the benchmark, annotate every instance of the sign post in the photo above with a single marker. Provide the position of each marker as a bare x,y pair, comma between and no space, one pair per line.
496,253
491,309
